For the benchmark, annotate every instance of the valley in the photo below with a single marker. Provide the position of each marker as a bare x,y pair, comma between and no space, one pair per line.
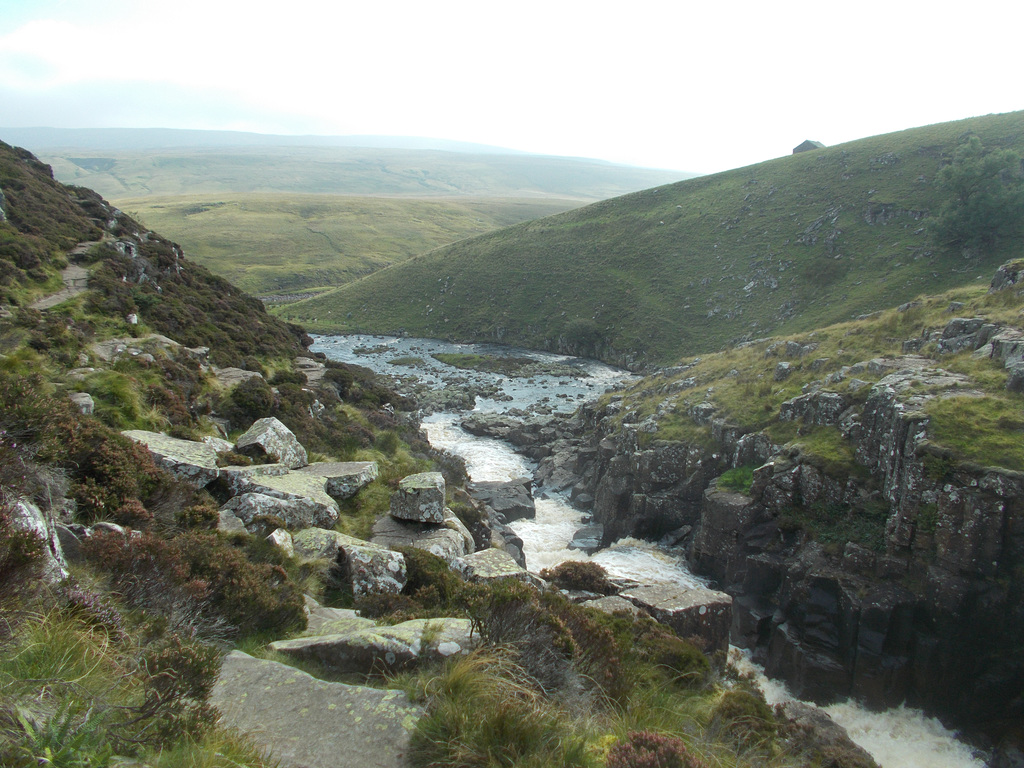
776,410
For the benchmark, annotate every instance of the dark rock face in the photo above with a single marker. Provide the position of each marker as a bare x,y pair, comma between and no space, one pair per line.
926,609
513,500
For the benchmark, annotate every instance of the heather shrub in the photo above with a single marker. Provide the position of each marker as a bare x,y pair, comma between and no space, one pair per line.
179,675
581,575
744,717
644,749
198,583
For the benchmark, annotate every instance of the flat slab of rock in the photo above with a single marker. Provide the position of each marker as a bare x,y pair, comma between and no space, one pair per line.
302,722
367,567
343,479
321,620
490,564
231,377
382,650
192,462
615,604
269,437
702,615
448,541
420,498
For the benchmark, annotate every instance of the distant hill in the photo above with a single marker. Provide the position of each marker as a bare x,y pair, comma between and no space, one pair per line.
131,163
778,247
286,243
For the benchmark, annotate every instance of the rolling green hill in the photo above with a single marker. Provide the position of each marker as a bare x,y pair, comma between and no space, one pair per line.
289,242
778,247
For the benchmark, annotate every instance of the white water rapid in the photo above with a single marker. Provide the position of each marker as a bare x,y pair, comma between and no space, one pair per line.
896,738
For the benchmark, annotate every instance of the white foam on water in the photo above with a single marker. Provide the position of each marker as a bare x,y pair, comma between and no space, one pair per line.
486,459
900,737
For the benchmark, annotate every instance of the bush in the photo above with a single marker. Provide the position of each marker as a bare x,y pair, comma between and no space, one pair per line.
198,583
581,575
645,749
744,716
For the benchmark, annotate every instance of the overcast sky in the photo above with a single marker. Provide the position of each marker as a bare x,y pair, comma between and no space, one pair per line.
678,84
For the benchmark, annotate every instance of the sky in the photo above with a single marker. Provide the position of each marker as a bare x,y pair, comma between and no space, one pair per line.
674,84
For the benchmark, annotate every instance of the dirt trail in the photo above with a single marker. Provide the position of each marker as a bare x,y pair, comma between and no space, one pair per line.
76,280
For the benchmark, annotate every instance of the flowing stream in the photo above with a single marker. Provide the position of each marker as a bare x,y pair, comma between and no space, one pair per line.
896,738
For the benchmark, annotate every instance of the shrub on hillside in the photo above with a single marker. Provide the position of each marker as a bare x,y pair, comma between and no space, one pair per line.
581,575
198,583
645,749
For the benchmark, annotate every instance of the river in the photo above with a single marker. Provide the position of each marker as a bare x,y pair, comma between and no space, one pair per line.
896,738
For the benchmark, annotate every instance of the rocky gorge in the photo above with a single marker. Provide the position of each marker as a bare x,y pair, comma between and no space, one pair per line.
864,556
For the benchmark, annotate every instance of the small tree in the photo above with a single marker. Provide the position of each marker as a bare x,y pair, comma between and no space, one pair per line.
986,197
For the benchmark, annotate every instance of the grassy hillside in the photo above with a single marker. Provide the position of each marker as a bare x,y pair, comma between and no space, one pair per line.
288,242
344,170
778,247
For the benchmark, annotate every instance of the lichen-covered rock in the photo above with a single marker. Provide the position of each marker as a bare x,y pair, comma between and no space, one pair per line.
194,463
84,402
295,513
302,722
269,437
367,568
448,541
490,564
383,650
281,539
27,517
228,522
343,479
703,615
304,502
321,620
420,498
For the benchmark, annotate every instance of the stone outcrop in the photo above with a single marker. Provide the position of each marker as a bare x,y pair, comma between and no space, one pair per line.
703,616
27,517
343,479
193,462
269,437
420,498
913,604
385,649
512,499
367,568
491,564
302,722
449,541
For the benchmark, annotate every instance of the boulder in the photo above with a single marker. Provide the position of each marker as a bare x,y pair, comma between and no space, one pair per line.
302,722
702,615
294,513
83,402
614,604
343,479
384,650
449,541
367,568
269,437
192,462
27,517
491,564
281,539
229,523
305,495
513,499
420,498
